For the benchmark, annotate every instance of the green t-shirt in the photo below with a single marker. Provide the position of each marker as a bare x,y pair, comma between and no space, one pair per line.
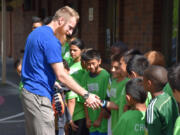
79,107
177,127
66,53
20,87
75,66
118,96
98,85
131,122
161,115
167,89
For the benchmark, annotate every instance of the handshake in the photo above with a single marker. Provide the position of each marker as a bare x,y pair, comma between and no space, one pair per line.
94,102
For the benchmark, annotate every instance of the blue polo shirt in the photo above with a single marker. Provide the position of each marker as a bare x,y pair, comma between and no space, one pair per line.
42,49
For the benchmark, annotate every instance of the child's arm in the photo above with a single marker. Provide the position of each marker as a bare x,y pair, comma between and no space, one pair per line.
110,105
88,121
71,105
97,122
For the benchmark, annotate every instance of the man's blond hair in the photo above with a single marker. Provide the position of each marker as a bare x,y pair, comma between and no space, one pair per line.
66,12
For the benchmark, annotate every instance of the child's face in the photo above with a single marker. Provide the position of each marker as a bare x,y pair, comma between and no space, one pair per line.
18,69
75,52
114,68
122,66
93,65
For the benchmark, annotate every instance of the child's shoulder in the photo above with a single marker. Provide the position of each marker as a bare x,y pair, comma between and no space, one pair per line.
133,115
105,72
161,101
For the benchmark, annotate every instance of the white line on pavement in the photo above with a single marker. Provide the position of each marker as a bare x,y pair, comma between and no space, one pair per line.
12,117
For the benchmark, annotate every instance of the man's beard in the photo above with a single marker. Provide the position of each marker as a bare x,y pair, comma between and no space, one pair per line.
60,34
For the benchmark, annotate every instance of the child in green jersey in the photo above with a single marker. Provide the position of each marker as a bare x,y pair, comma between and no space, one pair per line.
174,81
76,47
162,111
97,80
18,66
78,123
136,67
132,122
117,89
157,58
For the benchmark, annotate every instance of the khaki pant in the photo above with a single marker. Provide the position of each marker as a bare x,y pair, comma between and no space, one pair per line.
39,114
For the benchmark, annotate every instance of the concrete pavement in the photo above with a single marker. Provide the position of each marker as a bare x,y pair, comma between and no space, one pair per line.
11,113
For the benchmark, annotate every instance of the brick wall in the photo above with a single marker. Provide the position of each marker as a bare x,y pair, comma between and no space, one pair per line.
138,24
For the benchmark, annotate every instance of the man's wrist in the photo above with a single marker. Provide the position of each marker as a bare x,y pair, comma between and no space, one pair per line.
86,95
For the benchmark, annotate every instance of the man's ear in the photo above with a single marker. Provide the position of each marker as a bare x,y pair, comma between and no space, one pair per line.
61,21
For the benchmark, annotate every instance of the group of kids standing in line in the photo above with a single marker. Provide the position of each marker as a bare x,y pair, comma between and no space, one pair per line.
138,95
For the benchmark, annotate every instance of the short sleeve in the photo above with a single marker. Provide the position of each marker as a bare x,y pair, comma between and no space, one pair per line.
52,51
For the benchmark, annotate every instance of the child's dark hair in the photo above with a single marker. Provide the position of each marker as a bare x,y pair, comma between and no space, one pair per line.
66,66
83,54
121,46
92,54
128,54
17,63
47,20
157,75
36,19
115,57
174,77
77,42
138,63
135,89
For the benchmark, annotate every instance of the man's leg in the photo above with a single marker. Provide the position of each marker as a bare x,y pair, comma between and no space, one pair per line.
39,114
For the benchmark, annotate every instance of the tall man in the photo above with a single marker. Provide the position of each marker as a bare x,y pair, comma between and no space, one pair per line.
42,64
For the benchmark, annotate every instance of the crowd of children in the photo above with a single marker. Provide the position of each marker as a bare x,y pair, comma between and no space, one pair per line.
139,95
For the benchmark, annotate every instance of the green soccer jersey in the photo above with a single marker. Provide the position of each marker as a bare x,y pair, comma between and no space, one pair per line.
167,89
161,115
177,127
98,85
66,53
79,107
131,122
118,96
75,66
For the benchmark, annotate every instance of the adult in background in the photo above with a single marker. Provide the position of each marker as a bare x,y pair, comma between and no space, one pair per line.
42,65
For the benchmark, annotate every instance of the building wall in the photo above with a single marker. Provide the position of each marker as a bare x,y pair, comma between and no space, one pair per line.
139,23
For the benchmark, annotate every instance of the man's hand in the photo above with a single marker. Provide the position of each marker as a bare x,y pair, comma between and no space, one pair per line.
93,101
